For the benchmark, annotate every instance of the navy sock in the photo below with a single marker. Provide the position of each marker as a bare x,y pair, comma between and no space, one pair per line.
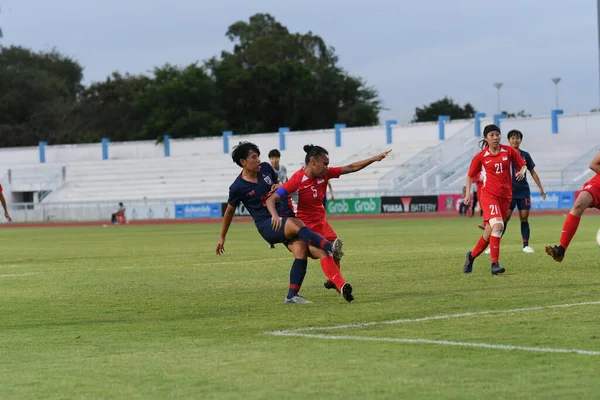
312,239
297,274
525,233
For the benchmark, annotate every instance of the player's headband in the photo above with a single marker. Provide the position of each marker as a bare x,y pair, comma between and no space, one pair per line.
490,128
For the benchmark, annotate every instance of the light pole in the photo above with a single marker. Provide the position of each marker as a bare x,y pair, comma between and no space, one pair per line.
556,80
498,85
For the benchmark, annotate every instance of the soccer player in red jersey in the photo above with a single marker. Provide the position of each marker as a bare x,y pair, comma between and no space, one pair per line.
589,197
3,201
306,189
496,192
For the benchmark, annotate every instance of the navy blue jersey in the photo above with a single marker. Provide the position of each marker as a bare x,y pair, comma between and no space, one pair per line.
520,189
254,195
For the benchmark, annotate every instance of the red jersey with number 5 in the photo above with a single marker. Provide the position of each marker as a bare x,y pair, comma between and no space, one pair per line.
306,195
497,179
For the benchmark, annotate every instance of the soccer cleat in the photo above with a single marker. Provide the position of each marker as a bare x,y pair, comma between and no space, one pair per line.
297,299
468,267
487,251
337,248
556,252
497,269
330,285
528,249
481,226
347,292
271,246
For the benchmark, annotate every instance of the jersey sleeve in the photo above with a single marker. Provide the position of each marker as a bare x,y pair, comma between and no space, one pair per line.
516,158
529,161
234,197
475,167
0,188
268,168
334,172
292,185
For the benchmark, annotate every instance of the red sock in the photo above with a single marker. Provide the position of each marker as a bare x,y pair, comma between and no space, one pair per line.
569,229
332,272
479,247
494,248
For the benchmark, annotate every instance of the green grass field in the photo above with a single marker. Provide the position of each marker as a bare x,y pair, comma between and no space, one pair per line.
149,312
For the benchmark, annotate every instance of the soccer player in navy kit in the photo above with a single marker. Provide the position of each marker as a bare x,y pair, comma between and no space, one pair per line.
253,187
521,195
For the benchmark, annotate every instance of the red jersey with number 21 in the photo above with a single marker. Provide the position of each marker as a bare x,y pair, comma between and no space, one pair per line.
497,180
306,194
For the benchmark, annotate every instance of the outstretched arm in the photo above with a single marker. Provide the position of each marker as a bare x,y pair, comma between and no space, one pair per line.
467,198
357,166
271,204
227,218
3,201
536,178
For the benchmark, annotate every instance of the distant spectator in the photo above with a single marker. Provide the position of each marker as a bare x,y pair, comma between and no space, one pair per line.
120,211
463,208
274,157
3,201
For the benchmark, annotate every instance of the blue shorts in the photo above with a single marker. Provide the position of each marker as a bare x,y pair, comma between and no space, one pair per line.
266,231
521,204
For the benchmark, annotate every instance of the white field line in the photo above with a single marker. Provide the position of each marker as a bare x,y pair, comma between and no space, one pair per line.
13,275
298,332
448,343
424,319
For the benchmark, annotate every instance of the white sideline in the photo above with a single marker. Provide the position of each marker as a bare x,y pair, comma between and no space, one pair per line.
298,331
25,274
406,321
449,343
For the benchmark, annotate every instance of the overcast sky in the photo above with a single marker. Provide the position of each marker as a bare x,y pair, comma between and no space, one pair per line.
413,51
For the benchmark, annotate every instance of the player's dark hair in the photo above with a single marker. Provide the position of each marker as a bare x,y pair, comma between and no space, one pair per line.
489,128
514,132
242,150
313,151
274,153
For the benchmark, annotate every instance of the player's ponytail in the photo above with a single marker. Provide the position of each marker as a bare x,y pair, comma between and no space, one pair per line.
313,151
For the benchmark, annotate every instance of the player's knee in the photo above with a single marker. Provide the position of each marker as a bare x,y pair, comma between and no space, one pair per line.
584,200
497,227
295,222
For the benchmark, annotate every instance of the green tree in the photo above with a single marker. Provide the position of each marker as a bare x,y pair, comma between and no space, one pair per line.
37,91
181,102
275,78
107,109
445,106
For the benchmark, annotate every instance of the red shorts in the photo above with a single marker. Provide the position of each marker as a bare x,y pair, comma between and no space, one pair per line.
494,207
324,229
593,188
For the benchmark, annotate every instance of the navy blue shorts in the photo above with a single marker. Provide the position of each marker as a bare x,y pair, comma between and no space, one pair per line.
266,231
521,204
